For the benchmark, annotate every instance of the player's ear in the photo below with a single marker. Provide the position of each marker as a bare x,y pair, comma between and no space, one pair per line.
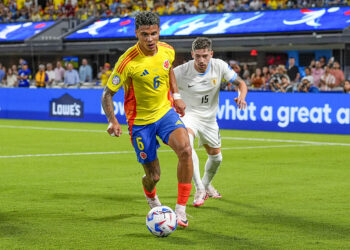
211,53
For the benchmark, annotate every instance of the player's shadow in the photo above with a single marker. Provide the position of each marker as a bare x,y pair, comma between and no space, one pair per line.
174,239
118,217
266,216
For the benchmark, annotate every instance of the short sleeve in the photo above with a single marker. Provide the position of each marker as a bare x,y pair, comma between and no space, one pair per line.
228,73
118,77
178,76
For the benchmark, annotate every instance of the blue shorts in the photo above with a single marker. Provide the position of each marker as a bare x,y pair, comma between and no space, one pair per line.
144,139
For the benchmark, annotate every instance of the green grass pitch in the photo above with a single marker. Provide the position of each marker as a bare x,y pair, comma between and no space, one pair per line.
65,189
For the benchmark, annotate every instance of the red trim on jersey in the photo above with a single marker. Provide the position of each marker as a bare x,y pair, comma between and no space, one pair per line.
125,60
165,45
171,99
130,106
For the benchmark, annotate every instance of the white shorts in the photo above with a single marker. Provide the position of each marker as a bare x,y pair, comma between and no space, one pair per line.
207,132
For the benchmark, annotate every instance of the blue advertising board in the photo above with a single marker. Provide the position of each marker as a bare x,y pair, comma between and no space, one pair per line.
11,32
285,112
294,20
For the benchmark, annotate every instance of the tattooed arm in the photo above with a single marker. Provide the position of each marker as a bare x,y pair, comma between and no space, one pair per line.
114,128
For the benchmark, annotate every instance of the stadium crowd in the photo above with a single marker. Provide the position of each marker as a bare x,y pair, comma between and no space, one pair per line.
25,10
318,76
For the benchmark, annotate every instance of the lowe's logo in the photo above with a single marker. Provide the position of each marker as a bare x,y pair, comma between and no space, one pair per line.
67,106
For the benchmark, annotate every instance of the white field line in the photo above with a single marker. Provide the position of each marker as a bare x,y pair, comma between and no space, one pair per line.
55,129
292,141
133,152
225,138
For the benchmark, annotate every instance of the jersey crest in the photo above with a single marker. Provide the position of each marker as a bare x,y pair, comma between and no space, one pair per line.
166,64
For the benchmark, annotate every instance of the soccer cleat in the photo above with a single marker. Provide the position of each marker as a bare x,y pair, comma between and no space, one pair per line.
212,192
181,218
153,202
199,198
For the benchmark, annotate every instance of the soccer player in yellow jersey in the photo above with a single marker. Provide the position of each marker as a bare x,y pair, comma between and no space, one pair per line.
145,71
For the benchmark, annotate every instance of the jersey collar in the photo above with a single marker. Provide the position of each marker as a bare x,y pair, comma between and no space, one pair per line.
208,68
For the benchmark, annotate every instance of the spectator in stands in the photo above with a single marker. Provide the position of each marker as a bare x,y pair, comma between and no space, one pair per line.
306,86
246,74
327,81
69,9
106,72
323,61
346,86
275,80
24,75
14,69
113,7
41,78
71,77
85,71
255,5
59,73
2,73
293,70
11,78
316,72
286,85
51,74
338,74
257,79
308,75
192,9
229,5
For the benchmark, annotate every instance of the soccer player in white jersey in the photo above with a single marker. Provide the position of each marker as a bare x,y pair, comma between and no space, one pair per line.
199,85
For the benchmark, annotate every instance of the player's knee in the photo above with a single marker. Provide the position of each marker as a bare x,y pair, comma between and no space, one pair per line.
185,152
155,178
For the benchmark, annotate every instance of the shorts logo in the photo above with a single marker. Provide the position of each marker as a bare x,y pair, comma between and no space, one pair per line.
143,155
116,80
166,64
179,123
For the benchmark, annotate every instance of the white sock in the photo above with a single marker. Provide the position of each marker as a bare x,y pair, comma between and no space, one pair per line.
211,167
179,207
196,173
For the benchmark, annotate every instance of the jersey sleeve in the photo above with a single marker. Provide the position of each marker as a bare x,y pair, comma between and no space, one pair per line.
178,76
119,75
228,73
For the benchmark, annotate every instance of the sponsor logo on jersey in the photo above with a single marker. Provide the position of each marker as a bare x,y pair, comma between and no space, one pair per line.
190,86
145,72
143,155
67,106
116,80
166,64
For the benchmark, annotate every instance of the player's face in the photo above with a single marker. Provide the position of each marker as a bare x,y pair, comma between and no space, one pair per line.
201,59
148,38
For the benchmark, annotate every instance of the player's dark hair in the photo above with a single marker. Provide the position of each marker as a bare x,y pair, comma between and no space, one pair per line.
202,43
146,18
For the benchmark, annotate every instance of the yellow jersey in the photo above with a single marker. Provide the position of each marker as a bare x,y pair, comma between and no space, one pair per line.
146,83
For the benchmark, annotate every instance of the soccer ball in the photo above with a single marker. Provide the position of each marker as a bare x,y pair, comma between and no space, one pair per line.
161,221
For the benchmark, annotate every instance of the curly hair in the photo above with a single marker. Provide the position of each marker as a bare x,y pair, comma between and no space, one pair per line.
147,18
202,43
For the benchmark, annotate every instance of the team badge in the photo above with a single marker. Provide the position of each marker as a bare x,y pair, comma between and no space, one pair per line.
214,81
178,123
116,80
166,64
143,155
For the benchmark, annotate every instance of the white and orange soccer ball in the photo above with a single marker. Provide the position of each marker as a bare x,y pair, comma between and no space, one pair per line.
161,221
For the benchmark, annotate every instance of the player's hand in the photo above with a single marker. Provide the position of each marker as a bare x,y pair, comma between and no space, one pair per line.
114,129
241,103
180,107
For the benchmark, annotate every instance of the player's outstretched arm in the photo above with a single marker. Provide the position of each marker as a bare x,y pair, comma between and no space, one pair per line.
179,104
114,128
242,93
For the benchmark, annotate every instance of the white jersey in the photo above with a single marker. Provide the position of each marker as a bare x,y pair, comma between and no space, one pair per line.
200,91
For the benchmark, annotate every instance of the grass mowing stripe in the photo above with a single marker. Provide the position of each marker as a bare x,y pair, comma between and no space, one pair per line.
132,152
55,129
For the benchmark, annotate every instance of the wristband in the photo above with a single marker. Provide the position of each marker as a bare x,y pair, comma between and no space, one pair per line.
176,96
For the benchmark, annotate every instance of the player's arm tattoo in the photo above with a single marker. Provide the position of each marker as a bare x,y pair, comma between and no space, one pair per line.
237,81
107,103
